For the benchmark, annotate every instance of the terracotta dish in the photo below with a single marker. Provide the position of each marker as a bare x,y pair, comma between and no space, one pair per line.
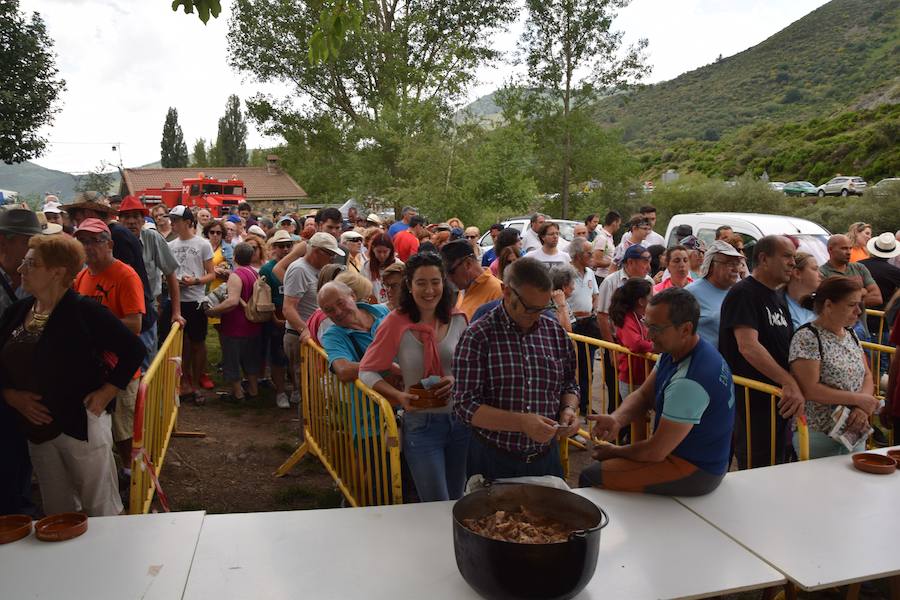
62,526
426,398
14,527
895,454
874,463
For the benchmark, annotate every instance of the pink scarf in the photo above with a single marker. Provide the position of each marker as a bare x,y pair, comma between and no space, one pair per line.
383,349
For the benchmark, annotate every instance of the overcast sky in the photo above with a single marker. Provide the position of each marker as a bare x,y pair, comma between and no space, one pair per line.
126,61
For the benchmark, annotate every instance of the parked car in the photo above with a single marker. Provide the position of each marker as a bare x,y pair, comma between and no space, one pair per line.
778,186
886,185
810,237
842,185
566,229
800,188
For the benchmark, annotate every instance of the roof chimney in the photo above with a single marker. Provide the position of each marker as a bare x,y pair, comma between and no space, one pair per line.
272,167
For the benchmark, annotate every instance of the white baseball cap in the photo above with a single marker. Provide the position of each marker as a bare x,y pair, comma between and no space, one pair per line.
52,207
182,212
325,241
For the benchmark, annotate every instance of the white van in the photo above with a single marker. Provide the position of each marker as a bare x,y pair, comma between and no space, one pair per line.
810,237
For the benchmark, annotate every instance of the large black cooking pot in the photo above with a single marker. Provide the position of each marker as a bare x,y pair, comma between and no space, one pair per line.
508,570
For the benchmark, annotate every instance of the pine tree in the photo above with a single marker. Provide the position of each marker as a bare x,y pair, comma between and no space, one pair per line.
173,149
200,157
231,143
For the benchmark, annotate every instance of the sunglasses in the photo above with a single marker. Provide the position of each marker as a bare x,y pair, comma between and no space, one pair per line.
532,310
215,232
471,237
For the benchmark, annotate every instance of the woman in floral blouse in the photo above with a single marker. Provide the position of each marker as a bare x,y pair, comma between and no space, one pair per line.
830,366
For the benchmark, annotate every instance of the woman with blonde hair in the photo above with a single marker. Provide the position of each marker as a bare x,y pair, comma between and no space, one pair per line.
859,234
805,279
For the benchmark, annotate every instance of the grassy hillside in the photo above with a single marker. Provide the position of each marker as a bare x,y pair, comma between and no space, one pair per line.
865,143
844,54
32,180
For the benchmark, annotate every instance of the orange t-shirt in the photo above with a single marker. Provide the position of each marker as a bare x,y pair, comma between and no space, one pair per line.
857,254
118,287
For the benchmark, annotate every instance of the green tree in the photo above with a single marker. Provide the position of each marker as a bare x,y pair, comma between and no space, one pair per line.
205,8
200,157
173,150
231,142
572,58
29,88
98,180
395,76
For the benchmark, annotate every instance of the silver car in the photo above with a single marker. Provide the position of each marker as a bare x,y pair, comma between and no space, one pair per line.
842,185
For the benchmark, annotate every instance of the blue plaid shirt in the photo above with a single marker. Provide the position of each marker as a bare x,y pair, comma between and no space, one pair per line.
498,365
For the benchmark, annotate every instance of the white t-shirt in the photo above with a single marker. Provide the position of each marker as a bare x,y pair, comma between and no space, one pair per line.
560,258
530,240
191,256
652,239
582,299
604,241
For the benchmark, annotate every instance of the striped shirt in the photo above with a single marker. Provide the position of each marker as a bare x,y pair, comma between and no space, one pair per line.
498,365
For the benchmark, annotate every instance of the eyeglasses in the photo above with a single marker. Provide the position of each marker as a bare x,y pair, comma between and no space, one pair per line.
732,264
655,329
458,264
30,263
91,241
471,237
215,232
284,245
532,310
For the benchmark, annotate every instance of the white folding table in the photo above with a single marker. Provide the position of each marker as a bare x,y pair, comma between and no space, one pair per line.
652,548
820,522
118,558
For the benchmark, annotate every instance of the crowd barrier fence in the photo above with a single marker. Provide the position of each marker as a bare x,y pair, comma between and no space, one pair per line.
351,429
155,415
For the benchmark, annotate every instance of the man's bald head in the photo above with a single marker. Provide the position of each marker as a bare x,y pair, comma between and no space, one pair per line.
839,248
333,290
338,303
838,240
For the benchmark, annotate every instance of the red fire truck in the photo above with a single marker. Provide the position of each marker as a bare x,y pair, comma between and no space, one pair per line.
216,195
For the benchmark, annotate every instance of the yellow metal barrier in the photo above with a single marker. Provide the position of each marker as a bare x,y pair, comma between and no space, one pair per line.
352,430
155,414
879,314
609,401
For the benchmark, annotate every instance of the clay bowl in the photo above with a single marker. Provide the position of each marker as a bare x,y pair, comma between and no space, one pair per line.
874,463
425,398
895,454
14,527
60,527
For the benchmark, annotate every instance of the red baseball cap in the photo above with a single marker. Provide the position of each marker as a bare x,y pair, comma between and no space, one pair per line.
92,226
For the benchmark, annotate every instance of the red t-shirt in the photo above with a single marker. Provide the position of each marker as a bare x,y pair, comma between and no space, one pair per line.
405,244
118,287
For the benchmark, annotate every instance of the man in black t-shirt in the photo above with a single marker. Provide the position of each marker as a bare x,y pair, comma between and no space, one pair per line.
754,337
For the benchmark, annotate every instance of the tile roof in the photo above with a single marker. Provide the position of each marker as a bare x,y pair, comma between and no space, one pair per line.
260,183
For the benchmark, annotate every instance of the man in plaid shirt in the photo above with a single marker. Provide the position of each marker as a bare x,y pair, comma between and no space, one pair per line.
515,382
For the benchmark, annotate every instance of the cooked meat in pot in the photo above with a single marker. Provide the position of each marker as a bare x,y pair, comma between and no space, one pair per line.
521,526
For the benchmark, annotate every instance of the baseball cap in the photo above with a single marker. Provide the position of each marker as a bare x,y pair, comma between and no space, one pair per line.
455,251
348,236
92,226
692,243
257,230
636,251
233,219
51,207
325,241
286,219
717,247
280,237
181,212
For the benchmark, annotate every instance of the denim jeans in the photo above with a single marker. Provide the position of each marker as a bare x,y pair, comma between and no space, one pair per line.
152,344
491,463
821,446
436,446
